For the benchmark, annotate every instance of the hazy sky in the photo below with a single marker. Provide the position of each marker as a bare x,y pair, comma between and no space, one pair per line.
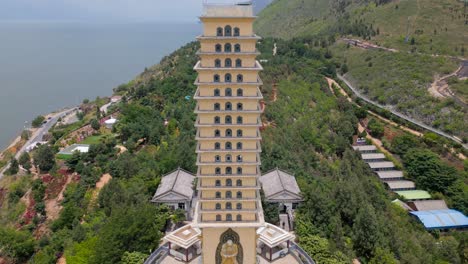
103,10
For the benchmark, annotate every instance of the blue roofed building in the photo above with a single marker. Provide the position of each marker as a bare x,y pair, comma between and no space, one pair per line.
441,219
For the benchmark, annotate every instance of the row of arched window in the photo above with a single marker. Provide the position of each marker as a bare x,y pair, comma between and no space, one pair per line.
228,92
228,78
229,217
227,145
228,182
228,133
228,206
228,195
227,106
227,63
228,171
228,158
228,120
227,48
227,31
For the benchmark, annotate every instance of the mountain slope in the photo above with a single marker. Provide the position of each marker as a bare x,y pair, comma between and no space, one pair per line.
438,26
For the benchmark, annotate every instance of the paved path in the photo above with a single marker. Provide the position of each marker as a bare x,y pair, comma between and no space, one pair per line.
38,134
409,119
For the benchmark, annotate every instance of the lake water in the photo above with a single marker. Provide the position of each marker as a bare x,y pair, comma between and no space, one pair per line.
46,66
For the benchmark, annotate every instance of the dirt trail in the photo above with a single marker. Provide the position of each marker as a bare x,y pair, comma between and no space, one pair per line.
440,87
53,206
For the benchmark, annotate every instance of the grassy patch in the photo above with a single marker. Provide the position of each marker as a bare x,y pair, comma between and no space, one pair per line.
63,156
91,140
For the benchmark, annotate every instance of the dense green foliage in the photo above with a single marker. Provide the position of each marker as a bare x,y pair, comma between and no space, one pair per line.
44,158
37,122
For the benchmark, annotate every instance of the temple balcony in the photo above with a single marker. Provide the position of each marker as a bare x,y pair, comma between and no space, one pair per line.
259,82
256,67
258,96
242,53
251,37
258,148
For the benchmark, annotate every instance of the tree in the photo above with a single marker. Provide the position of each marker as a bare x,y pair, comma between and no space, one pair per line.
318,248
37,122
73,161
383,256
376,128
133,258
366,232
25,161
44,158
401,144
95,124
14,167
344,68
85,101
25,134
18,245
428,170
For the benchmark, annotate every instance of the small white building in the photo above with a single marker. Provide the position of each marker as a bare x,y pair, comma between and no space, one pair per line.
175,190
281,187
110,122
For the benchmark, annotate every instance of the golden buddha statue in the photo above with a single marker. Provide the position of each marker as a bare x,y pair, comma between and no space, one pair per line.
229,253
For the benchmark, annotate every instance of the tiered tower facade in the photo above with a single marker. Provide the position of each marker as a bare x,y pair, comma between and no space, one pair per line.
228,121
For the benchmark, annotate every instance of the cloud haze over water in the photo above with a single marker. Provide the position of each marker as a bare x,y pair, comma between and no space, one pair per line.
103,10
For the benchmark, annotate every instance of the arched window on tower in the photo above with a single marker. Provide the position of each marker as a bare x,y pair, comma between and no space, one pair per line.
227,47
228,78
228,133
240,106
219,32
227,63
236,32
229,217
239,195
217,158
239,158
228,92
216,78
238,63
228,158
239,133
239,217
218,206
240,92
228,145
218,218
239,183
219,48
217,120
239,145
217,107
239,206
217,63
218,195
228,170
228,206
217,183
240,78
228,119
217,133
228,182
229,194
227,31
239,170
237,48
218,171
228,106
217,145
217,92
239,120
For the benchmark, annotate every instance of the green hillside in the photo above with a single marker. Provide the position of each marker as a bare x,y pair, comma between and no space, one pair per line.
438,26
417,30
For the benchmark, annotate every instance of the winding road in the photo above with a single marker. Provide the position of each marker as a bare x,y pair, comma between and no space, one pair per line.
409,119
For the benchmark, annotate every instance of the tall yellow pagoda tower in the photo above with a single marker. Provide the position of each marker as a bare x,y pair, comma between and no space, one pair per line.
228,112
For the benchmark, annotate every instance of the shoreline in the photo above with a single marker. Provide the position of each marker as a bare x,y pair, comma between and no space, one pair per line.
17,139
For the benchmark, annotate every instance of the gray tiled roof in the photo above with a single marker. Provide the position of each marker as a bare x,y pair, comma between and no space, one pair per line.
178,181
276,181
400,184
367,156
365,148
392,174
